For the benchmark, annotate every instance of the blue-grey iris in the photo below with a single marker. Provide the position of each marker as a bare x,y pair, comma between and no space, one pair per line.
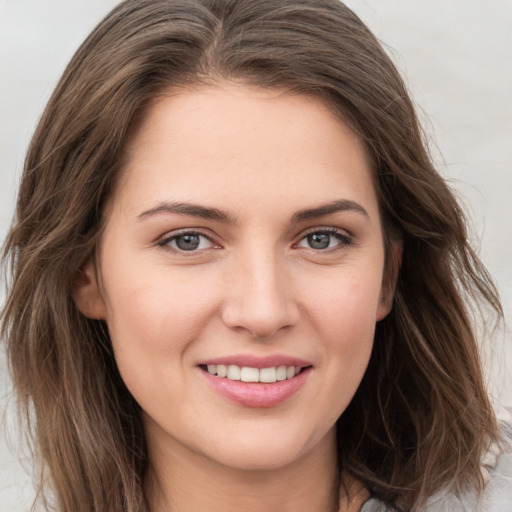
188,242
319,240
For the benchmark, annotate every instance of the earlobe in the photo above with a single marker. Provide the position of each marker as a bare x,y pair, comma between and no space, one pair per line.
86,293
390,279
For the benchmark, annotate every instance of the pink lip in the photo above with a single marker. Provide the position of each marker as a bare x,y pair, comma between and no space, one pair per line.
257,394
258,361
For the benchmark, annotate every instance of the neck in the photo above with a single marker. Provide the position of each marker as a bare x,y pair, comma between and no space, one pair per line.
185,481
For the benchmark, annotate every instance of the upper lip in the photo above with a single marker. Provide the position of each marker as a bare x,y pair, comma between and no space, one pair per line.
253,361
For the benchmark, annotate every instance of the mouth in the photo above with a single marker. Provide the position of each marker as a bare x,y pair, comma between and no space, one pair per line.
257,383
267,375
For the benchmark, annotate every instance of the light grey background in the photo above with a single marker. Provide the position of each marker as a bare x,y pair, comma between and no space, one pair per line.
456,55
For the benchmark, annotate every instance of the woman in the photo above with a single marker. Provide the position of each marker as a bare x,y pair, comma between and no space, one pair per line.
238,281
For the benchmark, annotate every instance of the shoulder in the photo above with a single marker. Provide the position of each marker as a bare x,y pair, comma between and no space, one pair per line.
497,495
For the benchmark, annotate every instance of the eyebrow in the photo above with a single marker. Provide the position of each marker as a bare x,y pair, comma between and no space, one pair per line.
342,205
192,210
203,212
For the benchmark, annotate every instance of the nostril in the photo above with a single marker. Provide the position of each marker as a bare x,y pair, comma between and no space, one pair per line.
261,306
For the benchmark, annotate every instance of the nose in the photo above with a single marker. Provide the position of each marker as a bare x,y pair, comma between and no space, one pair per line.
259,297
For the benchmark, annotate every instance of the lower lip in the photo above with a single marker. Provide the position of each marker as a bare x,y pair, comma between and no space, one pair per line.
257,394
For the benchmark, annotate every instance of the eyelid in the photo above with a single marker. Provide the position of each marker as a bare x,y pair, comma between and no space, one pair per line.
344,236
164,240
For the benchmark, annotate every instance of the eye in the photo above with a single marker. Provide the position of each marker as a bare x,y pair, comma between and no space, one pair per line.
187,241
324,239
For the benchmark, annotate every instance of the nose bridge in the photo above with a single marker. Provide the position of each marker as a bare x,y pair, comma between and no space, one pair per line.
259,298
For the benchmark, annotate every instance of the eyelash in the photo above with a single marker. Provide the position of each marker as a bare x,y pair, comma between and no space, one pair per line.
344,239
166,241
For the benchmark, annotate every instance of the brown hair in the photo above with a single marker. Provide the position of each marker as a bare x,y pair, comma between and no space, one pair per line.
421,417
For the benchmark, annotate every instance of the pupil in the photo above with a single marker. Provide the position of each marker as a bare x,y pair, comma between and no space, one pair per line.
319,240
188,242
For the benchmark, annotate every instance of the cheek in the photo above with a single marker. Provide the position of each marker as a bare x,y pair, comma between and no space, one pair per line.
344,317
153,318
151,304
349,335
346,308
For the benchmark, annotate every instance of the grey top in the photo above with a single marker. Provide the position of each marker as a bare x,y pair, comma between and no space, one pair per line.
497,495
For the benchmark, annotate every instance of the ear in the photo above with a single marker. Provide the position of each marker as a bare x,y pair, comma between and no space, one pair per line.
86,292
390,279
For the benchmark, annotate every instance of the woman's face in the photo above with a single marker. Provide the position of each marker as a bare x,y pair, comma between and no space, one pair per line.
244,237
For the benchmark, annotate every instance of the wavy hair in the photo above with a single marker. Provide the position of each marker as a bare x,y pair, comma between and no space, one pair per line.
420,419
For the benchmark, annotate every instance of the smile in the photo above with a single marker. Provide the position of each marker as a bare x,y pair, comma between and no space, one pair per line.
256,381
250,374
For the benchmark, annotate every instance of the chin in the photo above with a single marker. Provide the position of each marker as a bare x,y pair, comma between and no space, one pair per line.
256,459
268,451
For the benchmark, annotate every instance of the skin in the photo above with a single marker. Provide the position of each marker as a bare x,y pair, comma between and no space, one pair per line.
253,286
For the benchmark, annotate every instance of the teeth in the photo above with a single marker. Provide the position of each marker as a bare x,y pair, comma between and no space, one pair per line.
233,372
268,375
281,373
248,374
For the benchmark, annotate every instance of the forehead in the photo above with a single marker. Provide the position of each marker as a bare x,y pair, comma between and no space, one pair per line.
234,144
